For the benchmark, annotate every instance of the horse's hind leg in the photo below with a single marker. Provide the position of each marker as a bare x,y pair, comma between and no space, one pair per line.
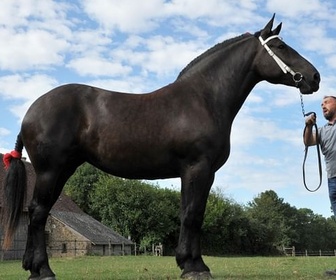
35,258
27,262
196,183
47,189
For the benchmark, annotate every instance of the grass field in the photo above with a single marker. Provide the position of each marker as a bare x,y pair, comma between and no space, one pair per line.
157,268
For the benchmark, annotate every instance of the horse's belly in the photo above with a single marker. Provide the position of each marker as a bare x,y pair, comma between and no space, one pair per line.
139,167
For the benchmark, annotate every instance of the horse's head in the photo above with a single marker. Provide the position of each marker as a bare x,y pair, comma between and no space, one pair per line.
278,63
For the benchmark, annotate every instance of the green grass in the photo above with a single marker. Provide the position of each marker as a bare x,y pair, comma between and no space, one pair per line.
148,267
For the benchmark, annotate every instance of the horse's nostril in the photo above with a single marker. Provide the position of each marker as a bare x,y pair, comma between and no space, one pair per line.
317,77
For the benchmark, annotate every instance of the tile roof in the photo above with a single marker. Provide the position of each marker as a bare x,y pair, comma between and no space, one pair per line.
90,228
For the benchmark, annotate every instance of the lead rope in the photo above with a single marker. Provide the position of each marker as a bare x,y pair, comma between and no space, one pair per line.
306,151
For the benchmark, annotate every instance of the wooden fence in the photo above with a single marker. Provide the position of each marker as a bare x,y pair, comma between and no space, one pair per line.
290,251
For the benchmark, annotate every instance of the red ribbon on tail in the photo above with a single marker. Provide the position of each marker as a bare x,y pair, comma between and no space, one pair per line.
8,157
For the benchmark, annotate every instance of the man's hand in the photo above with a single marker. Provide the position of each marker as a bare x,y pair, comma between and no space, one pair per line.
311,120
309,138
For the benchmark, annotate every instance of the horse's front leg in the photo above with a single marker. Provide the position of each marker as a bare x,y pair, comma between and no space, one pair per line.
196,183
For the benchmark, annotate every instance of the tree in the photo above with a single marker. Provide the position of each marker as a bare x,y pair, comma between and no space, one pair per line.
223,228
267,215
314,231
137,209
80,186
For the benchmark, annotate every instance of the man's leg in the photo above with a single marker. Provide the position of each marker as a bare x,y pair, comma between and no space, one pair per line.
332,193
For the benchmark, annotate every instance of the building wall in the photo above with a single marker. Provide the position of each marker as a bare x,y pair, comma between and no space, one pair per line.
62,241
111,250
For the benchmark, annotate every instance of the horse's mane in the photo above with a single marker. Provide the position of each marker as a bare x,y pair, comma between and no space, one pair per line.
211,51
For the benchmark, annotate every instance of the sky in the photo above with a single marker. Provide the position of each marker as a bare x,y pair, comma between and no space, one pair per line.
139,46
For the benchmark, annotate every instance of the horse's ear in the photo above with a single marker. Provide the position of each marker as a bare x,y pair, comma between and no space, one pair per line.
269,25
276,31
266,32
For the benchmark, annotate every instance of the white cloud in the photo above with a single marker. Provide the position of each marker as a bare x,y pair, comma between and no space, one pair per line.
319,40
332,61
3,134
167,56
30,49
215,11
297,8
248,130
25,87
162,56
93,66
137,17
3,131
126,16
89,42
26,12
33,34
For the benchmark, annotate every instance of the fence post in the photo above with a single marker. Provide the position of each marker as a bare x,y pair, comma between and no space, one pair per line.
306,253
293,251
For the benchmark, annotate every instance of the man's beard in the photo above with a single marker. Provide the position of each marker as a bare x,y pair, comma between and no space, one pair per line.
329,115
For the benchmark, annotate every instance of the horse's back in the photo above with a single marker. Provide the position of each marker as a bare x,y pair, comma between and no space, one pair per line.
71,102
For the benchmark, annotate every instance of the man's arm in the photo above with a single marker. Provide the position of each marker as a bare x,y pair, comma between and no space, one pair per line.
309,138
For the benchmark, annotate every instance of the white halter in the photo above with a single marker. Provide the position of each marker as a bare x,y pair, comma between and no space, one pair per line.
297,76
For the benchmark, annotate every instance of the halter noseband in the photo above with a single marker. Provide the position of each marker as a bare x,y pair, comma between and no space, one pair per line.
297,76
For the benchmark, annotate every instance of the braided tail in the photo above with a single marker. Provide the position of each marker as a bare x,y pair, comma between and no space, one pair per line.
15,186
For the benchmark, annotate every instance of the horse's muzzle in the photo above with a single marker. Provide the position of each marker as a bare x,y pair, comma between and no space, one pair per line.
309,86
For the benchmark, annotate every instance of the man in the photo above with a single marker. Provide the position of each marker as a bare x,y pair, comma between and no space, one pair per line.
327,140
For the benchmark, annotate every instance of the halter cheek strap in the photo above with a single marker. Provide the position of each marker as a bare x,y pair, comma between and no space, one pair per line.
297,76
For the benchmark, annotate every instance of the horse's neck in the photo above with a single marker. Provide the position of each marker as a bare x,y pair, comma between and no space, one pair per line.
232,79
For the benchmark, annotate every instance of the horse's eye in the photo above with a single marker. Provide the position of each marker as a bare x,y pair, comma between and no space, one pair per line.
281,47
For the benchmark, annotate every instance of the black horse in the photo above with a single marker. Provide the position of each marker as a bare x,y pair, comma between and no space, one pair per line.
181,130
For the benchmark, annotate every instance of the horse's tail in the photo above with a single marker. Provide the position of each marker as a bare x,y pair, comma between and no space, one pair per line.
14,192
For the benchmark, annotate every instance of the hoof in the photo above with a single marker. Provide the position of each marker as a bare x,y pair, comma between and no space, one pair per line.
205,275
330,273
